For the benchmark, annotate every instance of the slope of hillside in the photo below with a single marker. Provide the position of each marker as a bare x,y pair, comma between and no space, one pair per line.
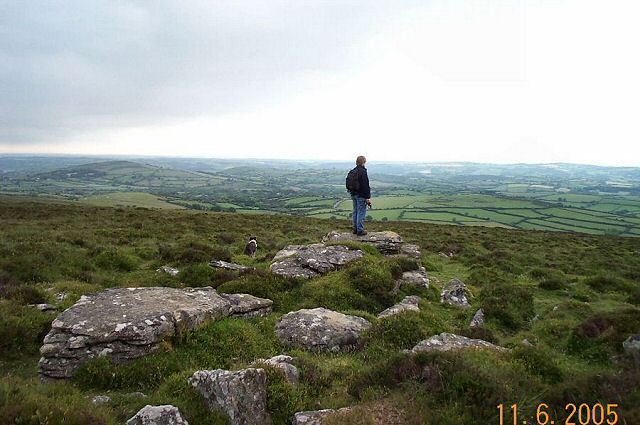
552,197
573,297
127,174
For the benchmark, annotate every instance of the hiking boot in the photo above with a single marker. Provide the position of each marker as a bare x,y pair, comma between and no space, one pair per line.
354,231
364,232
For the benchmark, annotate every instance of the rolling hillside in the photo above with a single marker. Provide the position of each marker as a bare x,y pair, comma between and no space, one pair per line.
573,297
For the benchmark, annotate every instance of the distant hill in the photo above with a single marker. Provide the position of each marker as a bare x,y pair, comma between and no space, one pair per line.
124,175
558,197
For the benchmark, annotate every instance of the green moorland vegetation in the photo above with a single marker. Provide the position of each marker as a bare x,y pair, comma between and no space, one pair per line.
574,296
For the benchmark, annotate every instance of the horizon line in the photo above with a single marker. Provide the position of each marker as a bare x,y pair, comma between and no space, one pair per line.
98,155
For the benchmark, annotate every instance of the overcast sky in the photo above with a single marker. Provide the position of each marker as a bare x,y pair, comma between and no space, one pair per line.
447,80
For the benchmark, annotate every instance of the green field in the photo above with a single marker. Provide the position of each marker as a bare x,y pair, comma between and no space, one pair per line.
486,210
129,199
579,199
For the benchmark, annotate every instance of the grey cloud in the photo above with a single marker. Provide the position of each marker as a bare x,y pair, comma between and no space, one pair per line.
72,66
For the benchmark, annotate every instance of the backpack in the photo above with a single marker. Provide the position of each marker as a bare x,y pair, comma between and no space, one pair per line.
353,183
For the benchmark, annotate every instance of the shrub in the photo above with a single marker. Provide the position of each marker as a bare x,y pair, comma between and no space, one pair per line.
113,259
12,289
601,335
283,399
60,404
546,273
478,333
402,330
198,275
284,292
21,329
193,255
140,375
510,305
603,283
634,296
599,386
198,252
400,265
167,252
552,284
479,380
373,280
501,259
538,362
481,275
73,290
226,238
387,373
334,292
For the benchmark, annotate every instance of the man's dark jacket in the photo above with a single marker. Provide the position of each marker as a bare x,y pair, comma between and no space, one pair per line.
363,180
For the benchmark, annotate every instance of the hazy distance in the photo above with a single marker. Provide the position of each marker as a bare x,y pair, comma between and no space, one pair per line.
485,81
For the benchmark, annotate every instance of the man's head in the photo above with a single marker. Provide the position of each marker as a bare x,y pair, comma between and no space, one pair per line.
361,160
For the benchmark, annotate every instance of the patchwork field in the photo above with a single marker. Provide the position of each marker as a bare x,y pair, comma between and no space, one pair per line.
599,215
129,199
565,198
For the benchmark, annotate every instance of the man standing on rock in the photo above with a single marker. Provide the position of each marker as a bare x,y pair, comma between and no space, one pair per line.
358,186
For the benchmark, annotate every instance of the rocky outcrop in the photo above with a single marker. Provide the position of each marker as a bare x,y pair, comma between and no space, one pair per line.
455,293
411,250
168,270
220,264
284,364
45,308
127,323
387,242
100,400
158,415
418,278
632,345
409,303
241,395
315,417
308,261
453,342
320,329
478,319
247,306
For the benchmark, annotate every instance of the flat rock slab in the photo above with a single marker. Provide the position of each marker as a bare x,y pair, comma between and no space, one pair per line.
308,261
241,395
158,415
453,342
46,308
320,329
478,319
411,250
247,306
386,242
418,278
631,345
220,264
409,303
455,292
285,365
127,323
168,270
316,417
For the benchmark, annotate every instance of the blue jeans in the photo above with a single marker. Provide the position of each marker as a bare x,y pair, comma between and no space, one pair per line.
359,212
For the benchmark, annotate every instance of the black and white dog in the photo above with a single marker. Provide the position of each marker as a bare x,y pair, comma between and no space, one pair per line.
251,247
